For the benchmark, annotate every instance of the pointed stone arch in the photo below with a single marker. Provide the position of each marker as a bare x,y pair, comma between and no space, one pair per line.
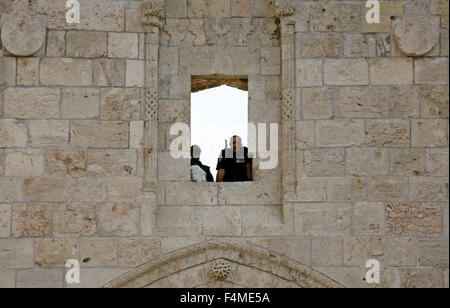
223,264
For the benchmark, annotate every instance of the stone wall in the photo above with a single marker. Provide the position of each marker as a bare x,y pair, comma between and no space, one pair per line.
371,140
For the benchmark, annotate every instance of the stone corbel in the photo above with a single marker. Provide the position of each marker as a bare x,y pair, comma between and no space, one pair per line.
285,10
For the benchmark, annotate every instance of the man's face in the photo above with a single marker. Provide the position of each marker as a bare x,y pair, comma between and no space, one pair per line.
235,144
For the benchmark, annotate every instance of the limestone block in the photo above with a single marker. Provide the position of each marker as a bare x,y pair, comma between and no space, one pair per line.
27,103
391,71
388,11
7,277
445,215
135,252
429,133
212,8
354,277
359,45
133,23
420,219
357,250
48,133
118,220
361,102
97,277
170,244
395,251
120,104
435,102
173,169
309,73
31,220
111,163
22,34
179,220
416,8
446,278
93,134
5,220
440,7
346,72
74,220
444,44
86,190
95,252
330,17
56,43
25,162
328,162
241,8
297,249
222,221
38,278
321,45
273,87
271,61
80,103
124,189
367,162
267,221
305,135
65,162
416,35
368,219
420,278
136,134
191,194
123,45
109,72
2,155
168,61
5,6
11,189
27,71
407,162
404,102
102,15
311,189
323,219
317,103
382,189
44,190
174,111
327,251
135,73
86,44
428,189
388,133
431,71
56,12
262,8
437,162
54,253
66,72
340,133
16,253
433,253
346,189
7,71
250,193
384,44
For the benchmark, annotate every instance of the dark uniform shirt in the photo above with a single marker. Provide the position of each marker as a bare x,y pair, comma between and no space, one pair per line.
235,164
209,177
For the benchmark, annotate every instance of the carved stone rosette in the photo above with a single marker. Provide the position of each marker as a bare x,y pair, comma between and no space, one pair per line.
152,18
285,10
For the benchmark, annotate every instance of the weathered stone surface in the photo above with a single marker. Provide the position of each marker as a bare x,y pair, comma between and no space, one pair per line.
7,71
102,15
435,102
407,162
54,253
120,104
222,221
395,251
437,162
48,133
172,169
86,190
101,135
394,71
135,73
168,62
327,251
38,278
325,162
258,193
123,45
86,44
96,252
66,72
241,8
44,190
16,253
192,194
5,220
404,102
297,249
136,134
65,162
24,163
317,103
111,163
440,7
266,221
416,35
429,133
135,252
56,43
97,277
420,278
359,45
74,220
422,219
11,189
323,219
388,11
341,72
179,220
428,189
27,71
340,133
7,277
170,244
27,103
368,218
305,135
331,17
431,71
80,103
271,61
311,189
5,6
357,250
367,162
118,220
321,45
109,72
31,220
346,189
444,44
388,133
384,44
433,253
213,8
354,102
125,189
382,189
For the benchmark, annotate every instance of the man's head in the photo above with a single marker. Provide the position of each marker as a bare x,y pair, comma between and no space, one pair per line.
195,152
235,143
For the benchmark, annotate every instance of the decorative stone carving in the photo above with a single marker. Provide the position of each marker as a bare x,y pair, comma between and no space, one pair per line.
283,8
22,34
416,36
220,269
153,13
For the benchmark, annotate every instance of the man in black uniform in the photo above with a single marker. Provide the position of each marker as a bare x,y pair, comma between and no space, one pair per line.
234,165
